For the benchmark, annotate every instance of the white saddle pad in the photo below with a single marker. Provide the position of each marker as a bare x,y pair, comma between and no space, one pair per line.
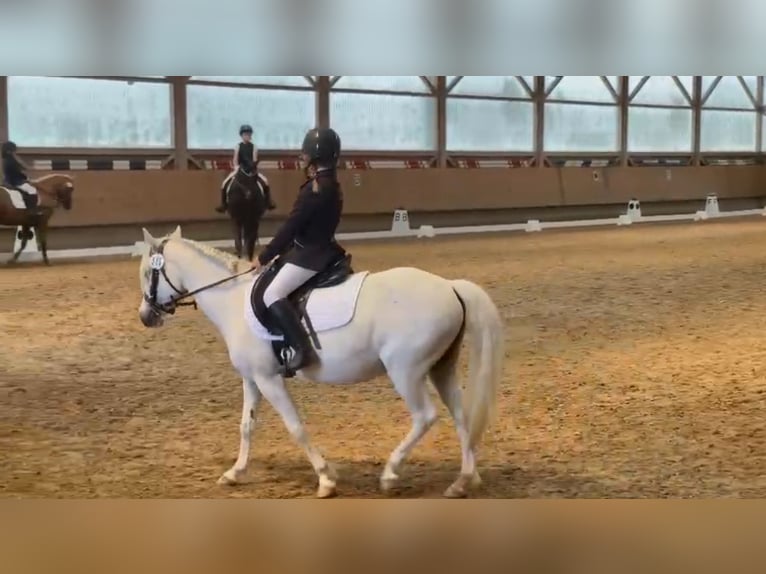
328,308
16,198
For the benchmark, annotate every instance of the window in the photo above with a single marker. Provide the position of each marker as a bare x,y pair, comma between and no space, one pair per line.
581,128
661,90
660,117
728,131
584,89
298,81
475,124
49,111
730,92
490,125
591,124
659,129
380,122
494,86
280,117
414,84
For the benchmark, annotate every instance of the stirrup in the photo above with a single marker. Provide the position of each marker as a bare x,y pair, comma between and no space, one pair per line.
287,355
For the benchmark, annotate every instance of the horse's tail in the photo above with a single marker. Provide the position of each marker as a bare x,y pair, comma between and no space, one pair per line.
484,328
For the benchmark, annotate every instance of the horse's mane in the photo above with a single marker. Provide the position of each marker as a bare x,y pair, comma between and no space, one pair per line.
232,263
54,176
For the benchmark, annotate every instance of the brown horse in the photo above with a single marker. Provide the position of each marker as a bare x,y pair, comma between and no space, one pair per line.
54,191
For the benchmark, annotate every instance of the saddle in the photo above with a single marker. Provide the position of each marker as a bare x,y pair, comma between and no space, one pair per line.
246,182
336,273
30,200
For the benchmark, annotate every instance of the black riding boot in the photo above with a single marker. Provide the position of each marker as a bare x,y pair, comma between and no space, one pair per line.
224,202
31,203
295,336
270,205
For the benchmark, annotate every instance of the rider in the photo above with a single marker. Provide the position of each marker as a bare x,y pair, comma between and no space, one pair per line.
14,175
308,236
246,158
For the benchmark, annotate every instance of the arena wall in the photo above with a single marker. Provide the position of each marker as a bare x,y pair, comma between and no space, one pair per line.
110,207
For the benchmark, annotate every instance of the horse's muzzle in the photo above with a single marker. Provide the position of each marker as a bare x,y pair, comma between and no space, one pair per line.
149,316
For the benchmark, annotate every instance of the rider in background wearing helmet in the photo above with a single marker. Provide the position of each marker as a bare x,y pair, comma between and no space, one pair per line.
307,237
14,175
245,158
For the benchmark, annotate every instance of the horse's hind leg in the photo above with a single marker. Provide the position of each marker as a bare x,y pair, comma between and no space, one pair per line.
22,247
411,385
445,379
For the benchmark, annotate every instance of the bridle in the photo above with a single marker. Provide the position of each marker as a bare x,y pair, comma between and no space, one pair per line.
157,265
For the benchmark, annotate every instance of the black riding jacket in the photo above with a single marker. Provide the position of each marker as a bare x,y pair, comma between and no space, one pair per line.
308,235
13,171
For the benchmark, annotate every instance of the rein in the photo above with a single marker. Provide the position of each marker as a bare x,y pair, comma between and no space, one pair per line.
157,264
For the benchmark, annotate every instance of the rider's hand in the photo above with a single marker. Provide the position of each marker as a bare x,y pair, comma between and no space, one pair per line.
256,265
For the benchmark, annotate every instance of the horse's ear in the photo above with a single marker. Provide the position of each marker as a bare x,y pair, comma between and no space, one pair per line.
177,233
148,239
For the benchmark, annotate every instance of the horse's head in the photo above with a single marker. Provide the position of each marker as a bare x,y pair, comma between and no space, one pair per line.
63,192
160,280
58,187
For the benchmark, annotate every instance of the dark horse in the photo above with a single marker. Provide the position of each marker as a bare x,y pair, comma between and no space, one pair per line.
246,206
54,191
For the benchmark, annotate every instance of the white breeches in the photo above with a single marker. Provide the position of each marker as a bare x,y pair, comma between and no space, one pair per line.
289,278
229,178
28,187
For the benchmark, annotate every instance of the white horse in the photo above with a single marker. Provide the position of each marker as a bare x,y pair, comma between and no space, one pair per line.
406,323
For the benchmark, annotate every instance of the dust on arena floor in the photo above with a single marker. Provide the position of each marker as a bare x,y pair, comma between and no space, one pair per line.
636,367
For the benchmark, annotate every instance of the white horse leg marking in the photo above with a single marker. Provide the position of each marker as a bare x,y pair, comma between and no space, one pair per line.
273,388
444,378
415,394
251,398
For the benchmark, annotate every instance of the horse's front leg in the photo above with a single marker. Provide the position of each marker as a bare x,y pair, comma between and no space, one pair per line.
41,236
251,398
274,389
256,231
237,231
250,238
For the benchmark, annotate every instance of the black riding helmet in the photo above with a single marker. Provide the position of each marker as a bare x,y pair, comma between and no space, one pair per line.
322,146
8,148
245,129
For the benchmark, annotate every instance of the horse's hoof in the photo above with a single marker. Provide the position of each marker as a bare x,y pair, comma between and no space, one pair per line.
456,491
389,484
327,490
459,488
230,478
